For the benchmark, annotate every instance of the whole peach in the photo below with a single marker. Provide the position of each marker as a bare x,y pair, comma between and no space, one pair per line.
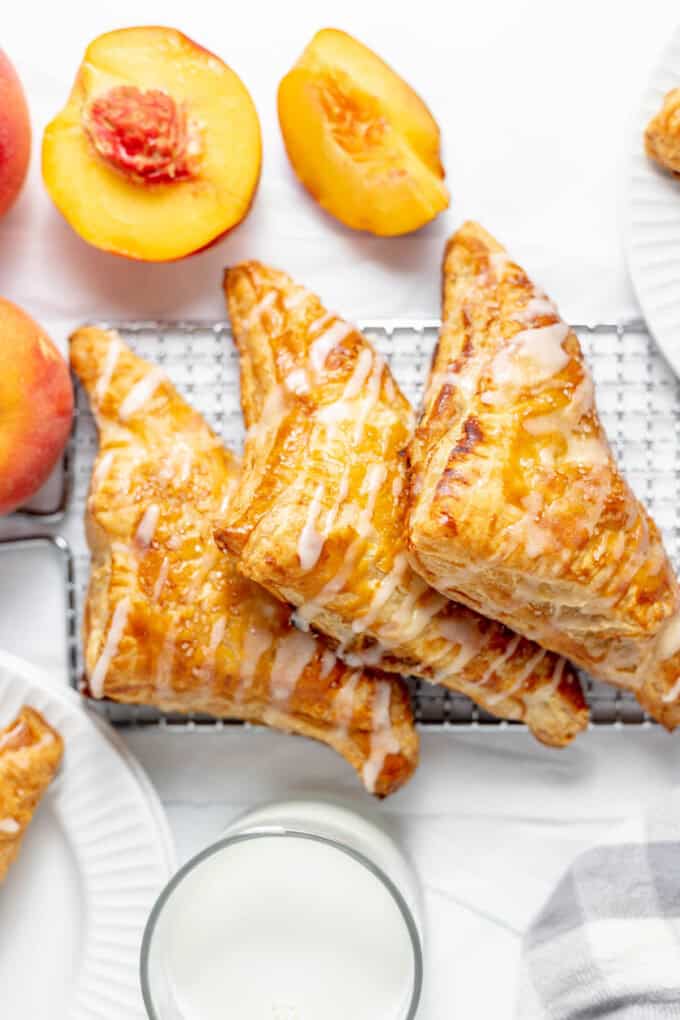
15,134
36,406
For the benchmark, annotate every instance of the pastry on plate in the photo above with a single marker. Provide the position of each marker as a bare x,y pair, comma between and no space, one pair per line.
662,134
169,621
319,516
30,753
517,506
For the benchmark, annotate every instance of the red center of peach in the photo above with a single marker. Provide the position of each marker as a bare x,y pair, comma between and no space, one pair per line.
144,134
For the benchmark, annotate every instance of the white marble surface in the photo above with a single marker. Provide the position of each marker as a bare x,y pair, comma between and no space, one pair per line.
535,99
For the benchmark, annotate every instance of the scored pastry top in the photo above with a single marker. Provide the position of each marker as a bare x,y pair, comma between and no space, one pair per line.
515,495
319,516
169,620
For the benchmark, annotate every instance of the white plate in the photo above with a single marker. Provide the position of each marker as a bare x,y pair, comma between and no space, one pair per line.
74,905
653,228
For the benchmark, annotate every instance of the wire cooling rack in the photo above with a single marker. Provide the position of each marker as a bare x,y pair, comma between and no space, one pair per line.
638,399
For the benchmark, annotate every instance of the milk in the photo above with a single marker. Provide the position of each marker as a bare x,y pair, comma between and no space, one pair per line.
276,925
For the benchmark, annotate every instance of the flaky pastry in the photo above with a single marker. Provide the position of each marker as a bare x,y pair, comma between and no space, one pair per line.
30,753
318,518
517,505
169,621
662,134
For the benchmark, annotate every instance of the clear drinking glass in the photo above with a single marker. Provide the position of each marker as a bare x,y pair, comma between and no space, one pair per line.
301,909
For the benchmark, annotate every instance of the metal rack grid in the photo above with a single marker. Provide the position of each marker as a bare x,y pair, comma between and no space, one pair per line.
639,402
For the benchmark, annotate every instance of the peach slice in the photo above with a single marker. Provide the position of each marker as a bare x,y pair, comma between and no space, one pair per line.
36,406
157,152
15,135
360,139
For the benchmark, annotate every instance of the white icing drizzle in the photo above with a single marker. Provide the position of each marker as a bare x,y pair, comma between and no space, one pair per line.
261,306
401,617
498,260
298,297
465,633
161,579
341,409
520,678
382,593
297,382
593,449
229,491
10,735
343,704
118,622
373,479
256,642
556,677
500,660
383,738
326,341
140,393
203,568
105,378
9,826
147,527
669,638
102,468
216,638
364,657
311,542
328,661
535,308
293,654
531,356
422,615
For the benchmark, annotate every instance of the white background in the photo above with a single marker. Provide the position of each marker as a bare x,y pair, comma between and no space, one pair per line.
535,100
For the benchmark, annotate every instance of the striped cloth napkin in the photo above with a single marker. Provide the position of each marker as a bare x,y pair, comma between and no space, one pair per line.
607,942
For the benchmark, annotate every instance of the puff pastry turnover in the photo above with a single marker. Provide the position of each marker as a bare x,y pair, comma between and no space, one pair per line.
319,516
662,134
517,505
169,621
30,753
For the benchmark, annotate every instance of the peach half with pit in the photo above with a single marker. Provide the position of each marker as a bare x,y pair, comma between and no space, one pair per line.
157,152
359,138
36,406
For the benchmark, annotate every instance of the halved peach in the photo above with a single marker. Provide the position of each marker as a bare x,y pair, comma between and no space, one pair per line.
36,406
15,134
157,152
360,139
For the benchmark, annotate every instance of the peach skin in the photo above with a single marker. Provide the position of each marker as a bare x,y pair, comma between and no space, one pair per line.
15,135
36,406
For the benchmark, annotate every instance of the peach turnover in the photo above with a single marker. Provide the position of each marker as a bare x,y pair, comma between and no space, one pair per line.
360,139
15,135
36,406
157,152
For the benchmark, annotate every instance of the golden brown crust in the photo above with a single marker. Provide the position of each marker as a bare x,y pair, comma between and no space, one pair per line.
319,516
30,753
169,621
662,134
516,501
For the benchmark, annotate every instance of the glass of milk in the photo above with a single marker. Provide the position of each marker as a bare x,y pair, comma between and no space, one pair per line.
301,911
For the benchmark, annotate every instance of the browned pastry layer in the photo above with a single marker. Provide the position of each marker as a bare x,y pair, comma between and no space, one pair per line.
169,621
662,135
319,518
517,505
30,753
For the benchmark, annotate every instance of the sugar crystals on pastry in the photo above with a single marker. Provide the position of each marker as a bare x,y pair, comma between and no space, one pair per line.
517,504
662,134
30,753
318,518
169,621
